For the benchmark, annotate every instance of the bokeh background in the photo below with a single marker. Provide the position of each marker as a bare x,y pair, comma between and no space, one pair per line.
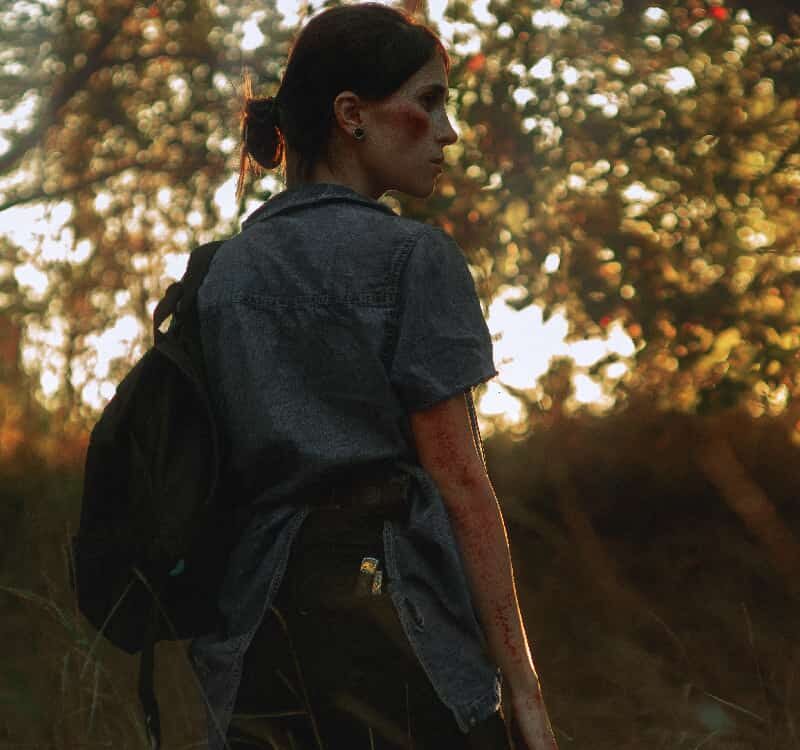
626,188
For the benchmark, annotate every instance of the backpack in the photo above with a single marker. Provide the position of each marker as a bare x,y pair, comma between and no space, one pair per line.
156,525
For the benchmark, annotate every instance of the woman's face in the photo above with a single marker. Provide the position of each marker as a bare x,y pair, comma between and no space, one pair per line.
406,133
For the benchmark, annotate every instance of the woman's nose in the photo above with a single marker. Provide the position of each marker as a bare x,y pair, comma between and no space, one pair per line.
450,135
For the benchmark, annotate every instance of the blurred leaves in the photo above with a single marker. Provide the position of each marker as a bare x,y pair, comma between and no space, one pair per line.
122,128
650,157
634,167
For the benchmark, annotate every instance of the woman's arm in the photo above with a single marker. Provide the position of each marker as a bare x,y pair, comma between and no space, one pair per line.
450,453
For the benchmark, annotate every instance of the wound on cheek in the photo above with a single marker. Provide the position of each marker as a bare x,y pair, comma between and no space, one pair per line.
410,120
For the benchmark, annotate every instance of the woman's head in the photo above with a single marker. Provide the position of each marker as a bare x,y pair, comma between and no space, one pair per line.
364,66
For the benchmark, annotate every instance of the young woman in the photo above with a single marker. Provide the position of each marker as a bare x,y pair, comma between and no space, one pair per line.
371,602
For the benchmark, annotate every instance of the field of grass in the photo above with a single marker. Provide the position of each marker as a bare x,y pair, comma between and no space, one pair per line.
658,619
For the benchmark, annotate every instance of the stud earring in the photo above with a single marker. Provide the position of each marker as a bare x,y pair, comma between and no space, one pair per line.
359,134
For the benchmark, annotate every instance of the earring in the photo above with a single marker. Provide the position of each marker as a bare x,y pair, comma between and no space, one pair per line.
359,134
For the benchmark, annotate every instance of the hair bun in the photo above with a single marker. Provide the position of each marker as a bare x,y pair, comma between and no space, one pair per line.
262,143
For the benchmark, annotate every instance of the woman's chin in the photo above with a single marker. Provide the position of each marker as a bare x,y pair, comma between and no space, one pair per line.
422,188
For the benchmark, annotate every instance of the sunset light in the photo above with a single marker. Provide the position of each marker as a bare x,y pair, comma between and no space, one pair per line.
596,207
624,184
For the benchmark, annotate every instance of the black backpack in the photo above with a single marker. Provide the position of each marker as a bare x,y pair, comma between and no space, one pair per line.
157,524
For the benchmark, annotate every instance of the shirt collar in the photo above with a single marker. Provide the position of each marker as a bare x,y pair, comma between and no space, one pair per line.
308,194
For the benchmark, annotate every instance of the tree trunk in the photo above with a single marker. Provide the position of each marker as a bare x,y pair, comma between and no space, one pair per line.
625,605
593,553
720,465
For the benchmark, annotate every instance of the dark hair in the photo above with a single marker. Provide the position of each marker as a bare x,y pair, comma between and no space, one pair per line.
368,48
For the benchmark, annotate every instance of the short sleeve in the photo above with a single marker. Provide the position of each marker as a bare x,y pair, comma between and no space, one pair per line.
443,343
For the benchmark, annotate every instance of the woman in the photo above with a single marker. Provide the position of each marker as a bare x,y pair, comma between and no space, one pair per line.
370,602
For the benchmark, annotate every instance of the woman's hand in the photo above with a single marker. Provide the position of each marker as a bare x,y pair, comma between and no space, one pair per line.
530,725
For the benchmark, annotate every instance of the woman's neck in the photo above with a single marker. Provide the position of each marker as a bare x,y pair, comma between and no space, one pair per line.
322,173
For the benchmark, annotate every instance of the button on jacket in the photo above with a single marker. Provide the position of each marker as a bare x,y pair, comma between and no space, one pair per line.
324,322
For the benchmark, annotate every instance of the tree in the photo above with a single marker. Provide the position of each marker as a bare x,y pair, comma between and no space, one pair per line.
633,166
132,130
643,170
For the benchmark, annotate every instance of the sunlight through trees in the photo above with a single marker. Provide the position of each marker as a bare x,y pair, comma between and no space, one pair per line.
629,169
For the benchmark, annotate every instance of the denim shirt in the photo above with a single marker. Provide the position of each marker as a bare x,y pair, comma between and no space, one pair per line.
324,322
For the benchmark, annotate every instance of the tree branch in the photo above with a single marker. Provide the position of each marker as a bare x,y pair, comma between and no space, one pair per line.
94,179
65,89
71,188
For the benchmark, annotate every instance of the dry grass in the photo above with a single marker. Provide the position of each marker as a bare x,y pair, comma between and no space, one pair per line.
711,660
707,657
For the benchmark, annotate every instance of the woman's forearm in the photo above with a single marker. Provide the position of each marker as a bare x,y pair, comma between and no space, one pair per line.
481,536
448,447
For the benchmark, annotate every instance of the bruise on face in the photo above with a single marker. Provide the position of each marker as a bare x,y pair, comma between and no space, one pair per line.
409,119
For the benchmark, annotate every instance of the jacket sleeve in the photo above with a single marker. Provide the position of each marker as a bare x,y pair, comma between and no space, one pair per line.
443,342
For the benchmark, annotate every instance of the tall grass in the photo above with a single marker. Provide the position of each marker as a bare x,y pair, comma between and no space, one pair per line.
710,660
60,685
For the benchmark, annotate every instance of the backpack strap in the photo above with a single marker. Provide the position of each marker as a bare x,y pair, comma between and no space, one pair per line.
147,691
186,289
166,306
473,418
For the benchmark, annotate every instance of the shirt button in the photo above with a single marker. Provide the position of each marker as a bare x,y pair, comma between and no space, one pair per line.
472,721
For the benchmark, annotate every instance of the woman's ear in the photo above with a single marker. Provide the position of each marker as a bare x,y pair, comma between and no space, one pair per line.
347,108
